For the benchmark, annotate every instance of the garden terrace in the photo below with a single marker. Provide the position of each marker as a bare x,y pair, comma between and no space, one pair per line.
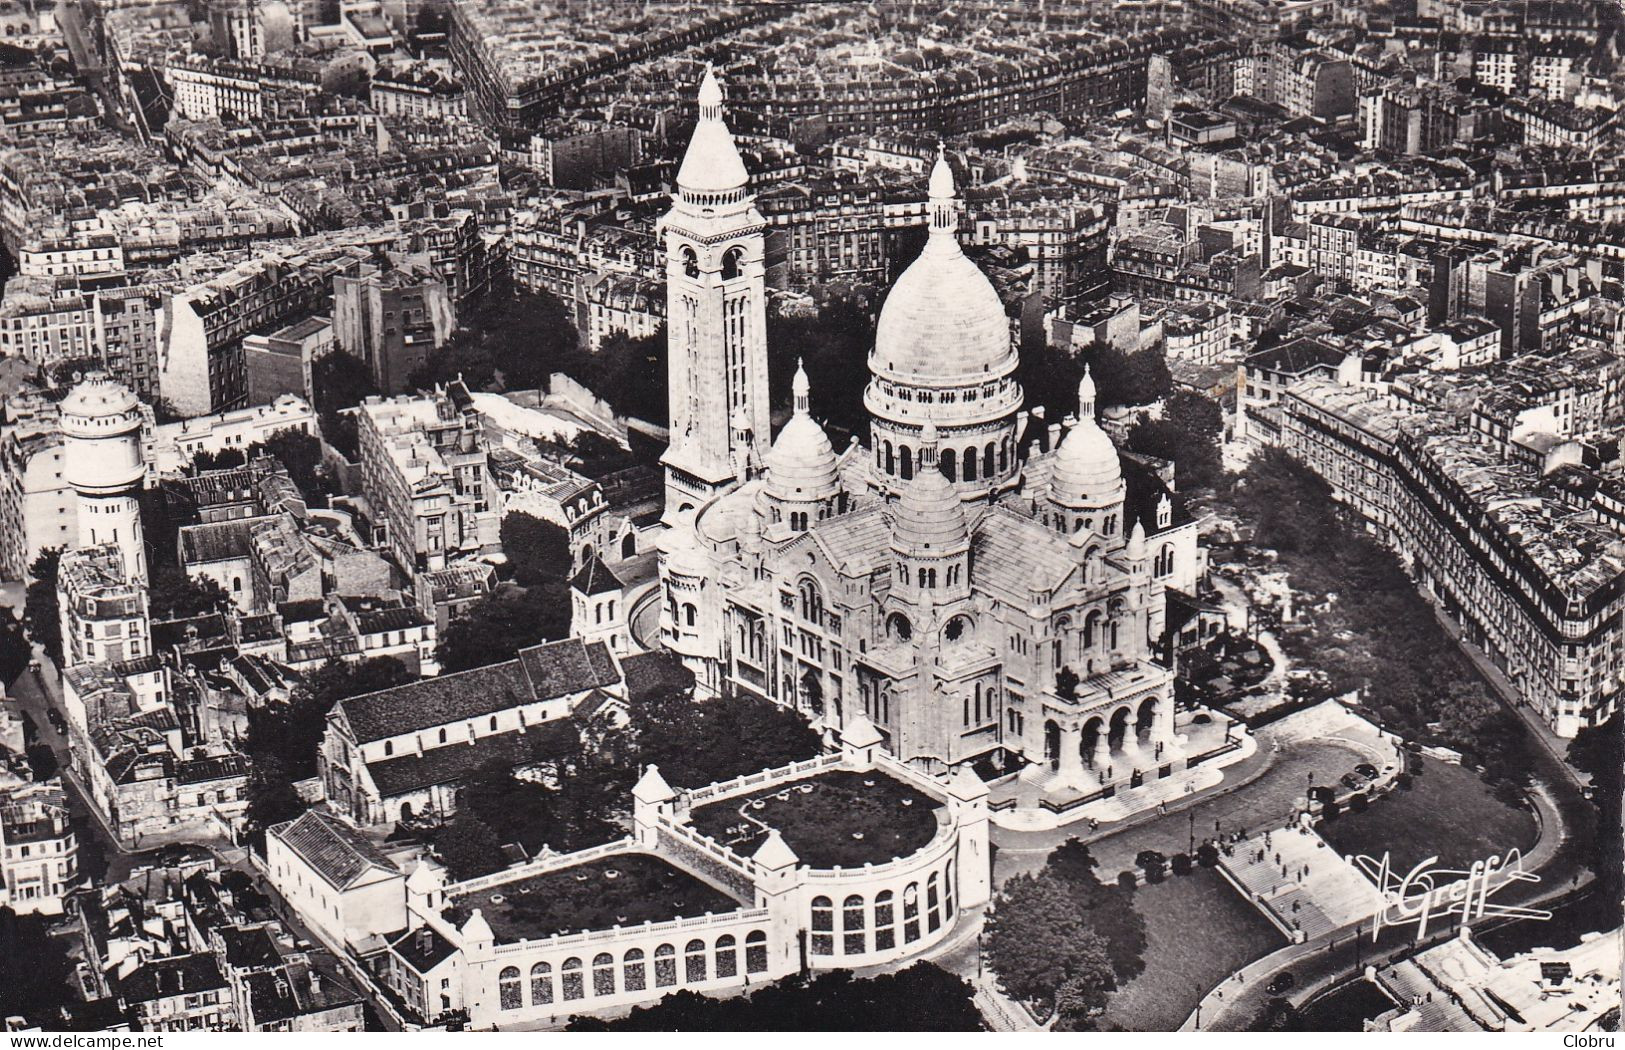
624,889
838,818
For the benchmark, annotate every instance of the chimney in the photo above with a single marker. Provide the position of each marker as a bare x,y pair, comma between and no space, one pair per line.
315,981
425,939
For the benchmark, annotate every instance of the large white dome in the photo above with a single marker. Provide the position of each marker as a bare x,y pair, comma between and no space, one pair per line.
943,323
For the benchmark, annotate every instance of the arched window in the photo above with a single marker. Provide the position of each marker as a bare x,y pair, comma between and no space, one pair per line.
812,602
442,736
987,460
756,952
541,984
731,261
493,723
510,993
1165,560
933,917
665,966
570,973
632,971
727,956
947,461
854,939
885,920
691,262
911,913
908,462
891,460
970,464
603,974
1004,455
694,962
948,892
689,614
898,626
823,926
389,747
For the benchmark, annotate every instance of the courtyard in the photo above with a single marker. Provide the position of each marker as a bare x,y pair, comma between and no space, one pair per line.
836,819
1448,812
627,889
1198,931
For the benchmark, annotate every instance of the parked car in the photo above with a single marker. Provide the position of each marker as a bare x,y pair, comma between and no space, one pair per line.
1353,781
1282,983
1367,770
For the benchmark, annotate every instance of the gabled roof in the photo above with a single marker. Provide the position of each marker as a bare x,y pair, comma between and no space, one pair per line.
567,666
333,851
177,975
435,701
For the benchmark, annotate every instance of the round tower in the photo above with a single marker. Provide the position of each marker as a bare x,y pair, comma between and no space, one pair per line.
101,428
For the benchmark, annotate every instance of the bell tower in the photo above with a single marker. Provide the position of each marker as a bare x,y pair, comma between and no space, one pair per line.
716,317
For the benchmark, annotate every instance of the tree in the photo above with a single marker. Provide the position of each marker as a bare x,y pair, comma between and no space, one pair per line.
922,998
341,381
292,732
271,795
39,604
538,551
225,459
1109,910
469,848
301,454
1039,943
1129,377
35,969
171,595
508,619
833,345
1595,752
1188,433
699,743
1153,863
630,373
15,652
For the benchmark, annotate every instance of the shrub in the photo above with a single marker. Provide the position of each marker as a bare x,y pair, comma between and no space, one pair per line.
1359,803
1153,863
1207,855
1127,881
1181,864
1331,811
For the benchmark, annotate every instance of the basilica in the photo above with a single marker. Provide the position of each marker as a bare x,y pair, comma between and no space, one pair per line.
975,586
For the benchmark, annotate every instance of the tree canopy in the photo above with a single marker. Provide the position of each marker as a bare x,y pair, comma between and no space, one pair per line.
172,595
15,652
340,381
922,998
699,743
292,732
538,551
508,619
39,603
1188,433
1043,948
301,454
468,847
834,346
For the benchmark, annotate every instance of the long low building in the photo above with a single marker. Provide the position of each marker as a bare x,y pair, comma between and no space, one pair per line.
694,899
1519,548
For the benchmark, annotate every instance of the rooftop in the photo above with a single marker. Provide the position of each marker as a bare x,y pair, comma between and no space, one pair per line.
625,889
835,819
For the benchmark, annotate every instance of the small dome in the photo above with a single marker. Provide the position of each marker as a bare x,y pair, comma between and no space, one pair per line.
712,163
801,464
1087,471
929,515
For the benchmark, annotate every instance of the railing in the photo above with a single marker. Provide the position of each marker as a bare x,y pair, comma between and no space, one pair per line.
1225,749
1109,791
909,775
740,785
738,873
1002,804
539,865
727,918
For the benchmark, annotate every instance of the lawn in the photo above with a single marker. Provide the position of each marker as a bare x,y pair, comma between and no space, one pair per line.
836,819
1198,931
587,897
1448,812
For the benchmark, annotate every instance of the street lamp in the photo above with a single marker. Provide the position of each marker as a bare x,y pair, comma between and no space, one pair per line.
1192,847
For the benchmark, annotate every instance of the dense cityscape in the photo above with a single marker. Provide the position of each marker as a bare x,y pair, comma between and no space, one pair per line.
1077,515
